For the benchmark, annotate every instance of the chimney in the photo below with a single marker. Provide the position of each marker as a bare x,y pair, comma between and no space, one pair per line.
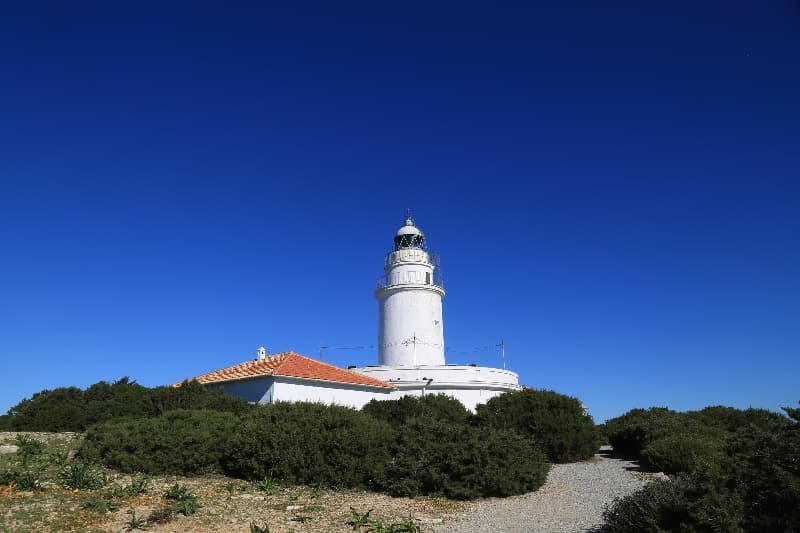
261,354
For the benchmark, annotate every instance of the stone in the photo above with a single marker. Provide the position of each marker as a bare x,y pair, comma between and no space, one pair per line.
8,448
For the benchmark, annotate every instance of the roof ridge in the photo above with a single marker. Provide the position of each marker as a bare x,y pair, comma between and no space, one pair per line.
272,365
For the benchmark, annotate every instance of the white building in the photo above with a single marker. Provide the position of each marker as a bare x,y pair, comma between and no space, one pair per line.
411,350
291,377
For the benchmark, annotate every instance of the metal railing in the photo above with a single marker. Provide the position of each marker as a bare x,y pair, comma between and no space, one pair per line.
436,280
415,255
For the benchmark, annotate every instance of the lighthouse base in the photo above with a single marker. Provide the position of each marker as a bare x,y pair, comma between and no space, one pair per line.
471,385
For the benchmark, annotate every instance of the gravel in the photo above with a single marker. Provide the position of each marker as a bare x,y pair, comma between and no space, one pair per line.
572,499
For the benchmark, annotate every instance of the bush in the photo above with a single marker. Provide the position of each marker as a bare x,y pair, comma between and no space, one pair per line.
632,432
730,419
49,410
660,506
558,424
459,461
179,442
683,453
308,443
742,474
71,409
193,395
769,478
433,406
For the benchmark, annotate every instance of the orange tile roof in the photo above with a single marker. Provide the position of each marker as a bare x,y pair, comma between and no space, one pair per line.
289,364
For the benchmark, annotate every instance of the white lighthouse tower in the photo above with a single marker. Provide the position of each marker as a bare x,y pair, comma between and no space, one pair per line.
411,333
410,328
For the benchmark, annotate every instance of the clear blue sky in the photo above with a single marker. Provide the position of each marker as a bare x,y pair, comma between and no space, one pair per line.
612,186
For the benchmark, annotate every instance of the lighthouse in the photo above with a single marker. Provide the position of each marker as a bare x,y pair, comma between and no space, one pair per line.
409,294
411,332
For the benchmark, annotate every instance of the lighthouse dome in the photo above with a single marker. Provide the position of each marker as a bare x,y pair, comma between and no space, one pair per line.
409,236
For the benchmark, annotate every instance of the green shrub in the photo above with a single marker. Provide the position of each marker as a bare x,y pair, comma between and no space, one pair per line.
742,474
556,423
192,395
730,419
683,453
434,406
71,409
105,401
179,442
436,457
50,410
768,474
631,432
308,443
662,505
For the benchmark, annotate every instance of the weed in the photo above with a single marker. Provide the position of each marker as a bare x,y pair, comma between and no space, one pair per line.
177,492
20,480
28,447
316,492
266,485
255,528
185,507
406,526
182,500
359,520
99,505
60,458
140,484
83,477
232,488
135,522
362,520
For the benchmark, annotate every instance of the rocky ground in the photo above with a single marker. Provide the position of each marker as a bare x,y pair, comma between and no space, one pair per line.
572,500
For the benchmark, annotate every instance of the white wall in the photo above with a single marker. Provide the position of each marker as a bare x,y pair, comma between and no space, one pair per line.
406,312
254,390
470,385
410,307
297,390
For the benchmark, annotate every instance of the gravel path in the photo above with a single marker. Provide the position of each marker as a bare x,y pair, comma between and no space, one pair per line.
572,500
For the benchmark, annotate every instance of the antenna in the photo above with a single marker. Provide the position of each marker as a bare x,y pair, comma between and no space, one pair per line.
321,347
408,216
502,346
